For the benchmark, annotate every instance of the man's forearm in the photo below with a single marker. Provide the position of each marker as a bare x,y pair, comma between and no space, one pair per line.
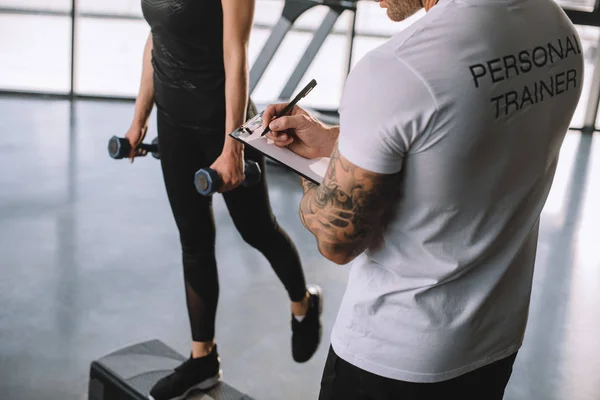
323,215
347,210
341,218
334,133
309,190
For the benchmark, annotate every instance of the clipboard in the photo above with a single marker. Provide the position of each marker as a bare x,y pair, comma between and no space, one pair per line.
250,135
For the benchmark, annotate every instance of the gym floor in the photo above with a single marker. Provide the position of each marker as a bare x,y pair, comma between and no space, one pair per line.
90,263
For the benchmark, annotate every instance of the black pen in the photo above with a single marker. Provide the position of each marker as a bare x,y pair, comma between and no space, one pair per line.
292,103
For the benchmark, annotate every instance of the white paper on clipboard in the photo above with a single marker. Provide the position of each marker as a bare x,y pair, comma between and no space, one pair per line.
249,134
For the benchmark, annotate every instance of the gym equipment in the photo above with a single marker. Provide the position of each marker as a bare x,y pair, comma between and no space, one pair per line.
292,10
207,180
130,373
119,148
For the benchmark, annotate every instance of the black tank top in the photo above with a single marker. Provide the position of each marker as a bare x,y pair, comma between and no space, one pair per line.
187,56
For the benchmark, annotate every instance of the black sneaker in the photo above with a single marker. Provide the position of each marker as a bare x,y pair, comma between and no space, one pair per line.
306,335
194,374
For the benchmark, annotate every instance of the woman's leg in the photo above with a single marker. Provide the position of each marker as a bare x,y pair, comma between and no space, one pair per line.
251,212
181,155
260,229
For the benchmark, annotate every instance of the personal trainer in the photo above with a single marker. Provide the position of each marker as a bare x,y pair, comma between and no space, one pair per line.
195,71
448,143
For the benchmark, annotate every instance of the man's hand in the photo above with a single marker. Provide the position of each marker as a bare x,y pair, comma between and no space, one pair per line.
300,132
230,167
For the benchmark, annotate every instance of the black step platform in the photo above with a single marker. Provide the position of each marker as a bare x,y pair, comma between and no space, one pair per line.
130,373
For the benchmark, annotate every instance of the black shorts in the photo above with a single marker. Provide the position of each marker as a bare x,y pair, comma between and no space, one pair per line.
343,381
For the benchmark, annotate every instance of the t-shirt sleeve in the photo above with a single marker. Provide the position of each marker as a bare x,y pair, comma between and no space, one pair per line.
385,108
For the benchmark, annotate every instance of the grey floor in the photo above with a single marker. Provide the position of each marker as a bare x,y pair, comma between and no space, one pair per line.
89,263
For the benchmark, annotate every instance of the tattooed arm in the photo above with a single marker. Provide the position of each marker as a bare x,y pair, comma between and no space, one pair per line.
344,212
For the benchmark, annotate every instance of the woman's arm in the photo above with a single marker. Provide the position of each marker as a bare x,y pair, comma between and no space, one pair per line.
145,98
237,23
143,103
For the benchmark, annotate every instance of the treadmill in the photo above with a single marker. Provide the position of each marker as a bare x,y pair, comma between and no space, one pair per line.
292,10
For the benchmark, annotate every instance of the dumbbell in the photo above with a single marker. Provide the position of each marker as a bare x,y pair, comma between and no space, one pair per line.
208,181
119,148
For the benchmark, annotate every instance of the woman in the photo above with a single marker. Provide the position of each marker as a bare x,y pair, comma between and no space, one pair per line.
195,70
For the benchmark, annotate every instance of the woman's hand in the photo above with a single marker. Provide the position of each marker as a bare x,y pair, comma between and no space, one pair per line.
230,166
135,135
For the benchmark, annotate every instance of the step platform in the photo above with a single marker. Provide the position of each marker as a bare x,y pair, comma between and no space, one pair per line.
130,373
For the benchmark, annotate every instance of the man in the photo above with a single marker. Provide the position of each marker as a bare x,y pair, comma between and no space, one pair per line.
448,142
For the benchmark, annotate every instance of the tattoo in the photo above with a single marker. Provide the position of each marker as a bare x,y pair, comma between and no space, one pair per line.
307,185
346,210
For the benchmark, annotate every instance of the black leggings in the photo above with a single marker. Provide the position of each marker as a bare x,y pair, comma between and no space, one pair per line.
183,151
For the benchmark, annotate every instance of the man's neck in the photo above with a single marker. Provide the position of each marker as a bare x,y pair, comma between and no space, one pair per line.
427,4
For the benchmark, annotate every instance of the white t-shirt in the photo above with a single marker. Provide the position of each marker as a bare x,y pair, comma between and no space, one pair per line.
471,103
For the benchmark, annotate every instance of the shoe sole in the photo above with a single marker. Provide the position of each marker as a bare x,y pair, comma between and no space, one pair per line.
204,385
